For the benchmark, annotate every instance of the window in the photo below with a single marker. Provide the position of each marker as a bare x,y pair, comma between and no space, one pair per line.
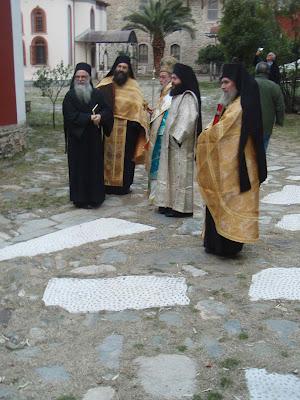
175,51
24,53
92,19
143,54
38,20
39,51
212,10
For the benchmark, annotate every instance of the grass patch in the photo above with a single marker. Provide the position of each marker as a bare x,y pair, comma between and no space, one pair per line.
196,397
225,382
193,309
230,363
243,336
33,202
284,354
214,396
182,348
138,346
209,85
290,128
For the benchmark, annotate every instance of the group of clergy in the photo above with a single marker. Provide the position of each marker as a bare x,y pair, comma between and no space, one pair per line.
110,128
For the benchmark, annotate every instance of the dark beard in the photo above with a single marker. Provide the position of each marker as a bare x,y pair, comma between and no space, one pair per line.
120,77
177,89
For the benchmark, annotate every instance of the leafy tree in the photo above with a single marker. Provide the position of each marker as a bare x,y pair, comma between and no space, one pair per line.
249,24
289,13
159,18
211,53
51,82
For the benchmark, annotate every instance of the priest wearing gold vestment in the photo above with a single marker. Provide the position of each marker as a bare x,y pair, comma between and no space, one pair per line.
123,93
231,164
158,124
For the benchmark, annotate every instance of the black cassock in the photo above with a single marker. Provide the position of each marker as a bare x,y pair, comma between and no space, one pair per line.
85,147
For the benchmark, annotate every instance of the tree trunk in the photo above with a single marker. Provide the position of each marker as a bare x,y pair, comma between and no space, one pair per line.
158,45
53,115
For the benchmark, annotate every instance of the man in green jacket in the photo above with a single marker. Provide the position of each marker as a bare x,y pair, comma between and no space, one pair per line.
272,102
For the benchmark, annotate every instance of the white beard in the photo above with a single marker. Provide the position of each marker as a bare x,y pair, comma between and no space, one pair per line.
228,97
83,92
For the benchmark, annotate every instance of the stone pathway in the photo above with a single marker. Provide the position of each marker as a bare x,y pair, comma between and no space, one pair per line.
189,325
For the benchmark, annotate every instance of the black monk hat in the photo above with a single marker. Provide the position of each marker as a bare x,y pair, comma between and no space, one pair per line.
188,82
82,66
122,60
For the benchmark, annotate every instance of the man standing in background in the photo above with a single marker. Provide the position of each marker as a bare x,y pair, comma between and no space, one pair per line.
271,99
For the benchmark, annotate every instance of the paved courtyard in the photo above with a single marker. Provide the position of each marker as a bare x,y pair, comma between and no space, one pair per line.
123,303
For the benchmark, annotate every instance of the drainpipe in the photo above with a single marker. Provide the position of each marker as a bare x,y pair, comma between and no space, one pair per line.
74,34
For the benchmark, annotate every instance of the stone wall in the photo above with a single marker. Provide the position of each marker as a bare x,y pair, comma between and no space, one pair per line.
12,140
188,47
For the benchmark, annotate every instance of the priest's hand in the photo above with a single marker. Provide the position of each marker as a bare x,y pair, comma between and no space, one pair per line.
96,118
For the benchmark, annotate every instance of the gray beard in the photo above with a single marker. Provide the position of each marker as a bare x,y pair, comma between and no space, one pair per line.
228,98
83,92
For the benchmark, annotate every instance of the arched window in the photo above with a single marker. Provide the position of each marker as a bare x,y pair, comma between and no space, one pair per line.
38,20
92,19
212,9
143,54
39,51
70,35
175,51
24,53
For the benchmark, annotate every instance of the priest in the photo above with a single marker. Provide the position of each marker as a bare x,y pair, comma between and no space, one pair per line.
130,126
231,165
174,193
87,120
158,124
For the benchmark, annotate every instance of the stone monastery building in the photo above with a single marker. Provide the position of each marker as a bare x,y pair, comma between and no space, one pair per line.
55,31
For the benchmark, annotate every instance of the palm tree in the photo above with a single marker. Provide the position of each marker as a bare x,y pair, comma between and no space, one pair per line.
160,18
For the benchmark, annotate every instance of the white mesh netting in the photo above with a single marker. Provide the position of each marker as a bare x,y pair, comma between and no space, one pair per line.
290,194
290,222
115,294
271,386
276,283
99,229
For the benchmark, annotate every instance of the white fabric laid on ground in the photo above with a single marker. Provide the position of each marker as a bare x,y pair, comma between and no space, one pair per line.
115,294
88,232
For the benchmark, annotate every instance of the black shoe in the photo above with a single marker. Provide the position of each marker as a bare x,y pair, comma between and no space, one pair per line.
95,204
163,210
177,214
83,205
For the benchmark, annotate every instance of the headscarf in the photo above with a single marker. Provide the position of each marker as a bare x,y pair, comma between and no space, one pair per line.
82,66
188,82
119,60
251,121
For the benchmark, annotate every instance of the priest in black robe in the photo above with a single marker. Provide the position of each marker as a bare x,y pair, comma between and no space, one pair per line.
87,120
